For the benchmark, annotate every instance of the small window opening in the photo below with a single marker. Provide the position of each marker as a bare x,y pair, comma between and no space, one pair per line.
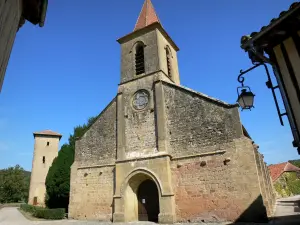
139,60
169,62
44,159
48,143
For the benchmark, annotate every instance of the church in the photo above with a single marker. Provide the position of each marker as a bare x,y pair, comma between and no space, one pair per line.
165,153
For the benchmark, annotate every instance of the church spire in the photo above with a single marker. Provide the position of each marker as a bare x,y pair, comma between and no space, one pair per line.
147,16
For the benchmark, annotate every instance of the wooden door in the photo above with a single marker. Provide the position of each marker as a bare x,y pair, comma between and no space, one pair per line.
35,201
148,202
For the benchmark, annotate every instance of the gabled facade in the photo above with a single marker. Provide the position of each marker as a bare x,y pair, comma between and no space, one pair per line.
162,152
13,14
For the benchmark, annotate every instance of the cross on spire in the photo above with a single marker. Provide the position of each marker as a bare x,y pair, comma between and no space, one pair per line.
147,16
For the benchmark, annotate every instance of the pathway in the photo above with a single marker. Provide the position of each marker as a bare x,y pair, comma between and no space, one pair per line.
287,210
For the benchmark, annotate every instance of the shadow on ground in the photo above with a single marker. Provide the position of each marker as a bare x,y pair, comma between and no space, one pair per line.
256,213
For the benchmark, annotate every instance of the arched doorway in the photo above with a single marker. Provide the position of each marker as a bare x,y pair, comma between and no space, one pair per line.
148,201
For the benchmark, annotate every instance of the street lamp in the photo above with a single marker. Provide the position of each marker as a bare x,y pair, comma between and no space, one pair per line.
245,98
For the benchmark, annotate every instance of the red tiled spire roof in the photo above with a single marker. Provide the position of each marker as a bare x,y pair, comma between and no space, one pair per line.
147,16
277,169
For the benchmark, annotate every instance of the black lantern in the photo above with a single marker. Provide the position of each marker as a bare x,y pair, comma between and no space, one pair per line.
245,98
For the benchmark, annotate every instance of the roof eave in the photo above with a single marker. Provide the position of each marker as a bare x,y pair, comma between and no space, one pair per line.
51,135
35,11
268,28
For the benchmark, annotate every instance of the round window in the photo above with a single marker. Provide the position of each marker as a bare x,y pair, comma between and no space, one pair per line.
140,99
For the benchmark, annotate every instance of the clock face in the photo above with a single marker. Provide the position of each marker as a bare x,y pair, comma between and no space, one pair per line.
140,99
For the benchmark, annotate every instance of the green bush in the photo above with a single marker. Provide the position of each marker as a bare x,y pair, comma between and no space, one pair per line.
50,214
27,208
40,212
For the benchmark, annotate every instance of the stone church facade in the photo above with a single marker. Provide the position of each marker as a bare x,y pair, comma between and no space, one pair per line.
162,152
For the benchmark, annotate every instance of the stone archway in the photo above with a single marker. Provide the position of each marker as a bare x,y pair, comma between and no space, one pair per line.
141,198
126,205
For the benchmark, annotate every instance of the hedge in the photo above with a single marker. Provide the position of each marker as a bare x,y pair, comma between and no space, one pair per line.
50,214
40,212
27,208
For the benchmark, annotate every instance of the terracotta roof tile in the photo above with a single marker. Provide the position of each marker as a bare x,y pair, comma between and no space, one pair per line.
277,169
47,132
292,7
147,16
291,168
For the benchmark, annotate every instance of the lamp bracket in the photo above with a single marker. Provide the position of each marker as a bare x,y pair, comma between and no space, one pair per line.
269,84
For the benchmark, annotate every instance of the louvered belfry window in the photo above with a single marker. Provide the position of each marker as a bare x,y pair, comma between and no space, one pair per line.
139,60
168,62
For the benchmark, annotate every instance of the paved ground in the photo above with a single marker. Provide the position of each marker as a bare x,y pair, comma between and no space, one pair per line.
287,213
288,210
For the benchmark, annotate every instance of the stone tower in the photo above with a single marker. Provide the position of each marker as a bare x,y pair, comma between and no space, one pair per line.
46,145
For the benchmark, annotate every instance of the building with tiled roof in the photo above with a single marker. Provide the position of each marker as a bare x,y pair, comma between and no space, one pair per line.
278,44
277,170
280,174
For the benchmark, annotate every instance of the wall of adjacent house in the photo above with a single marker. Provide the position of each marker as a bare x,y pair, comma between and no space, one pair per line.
10,13
287,55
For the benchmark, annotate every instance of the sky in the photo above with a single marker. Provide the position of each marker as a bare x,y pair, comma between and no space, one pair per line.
60,75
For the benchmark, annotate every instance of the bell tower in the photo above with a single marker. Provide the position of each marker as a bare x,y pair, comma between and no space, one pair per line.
148,50
149,56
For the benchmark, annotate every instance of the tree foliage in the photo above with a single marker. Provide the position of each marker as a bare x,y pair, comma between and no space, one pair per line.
295,162
58,177
288,184
14,185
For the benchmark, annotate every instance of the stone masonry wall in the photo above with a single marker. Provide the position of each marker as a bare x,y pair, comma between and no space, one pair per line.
128,56
92,173
98,144
207,189
139,125
92,198
264,182
197,125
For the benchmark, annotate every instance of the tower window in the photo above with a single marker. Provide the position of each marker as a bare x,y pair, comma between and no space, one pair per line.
48,143
44,159
169,66
139,60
